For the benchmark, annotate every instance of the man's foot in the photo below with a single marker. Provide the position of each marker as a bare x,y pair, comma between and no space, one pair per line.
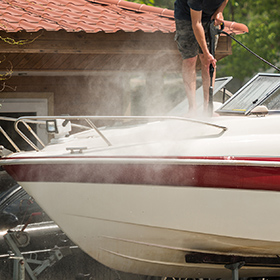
192,113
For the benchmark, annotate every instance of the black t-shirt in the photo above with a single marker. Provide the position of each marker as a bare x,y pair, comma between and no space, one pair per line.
208,8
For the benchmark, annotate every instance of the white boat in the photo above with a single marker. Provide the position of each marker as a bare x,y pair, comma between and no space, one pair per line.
167,196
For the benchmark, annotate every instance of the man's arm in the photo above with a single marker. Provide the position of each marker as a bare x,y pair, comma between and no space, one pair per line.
218,15
199,33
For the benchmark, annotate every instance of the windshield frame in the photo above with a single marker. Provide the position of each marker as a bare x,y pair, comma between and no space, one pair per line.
223,110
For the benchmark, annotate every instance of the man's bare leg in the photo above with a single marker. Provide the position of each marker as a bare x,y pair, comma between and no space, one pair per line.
189,79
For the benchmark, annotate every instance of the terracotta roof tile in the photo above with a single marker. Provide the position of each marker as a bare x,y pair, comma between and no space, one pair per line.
83,15
90,16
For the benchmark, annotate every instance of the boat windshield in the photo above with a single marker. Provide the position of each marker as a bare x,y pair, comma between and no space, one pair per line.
263,89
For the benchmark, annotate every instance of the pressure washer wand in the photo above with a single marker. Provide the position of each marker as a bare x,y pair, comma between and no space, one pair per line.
213,31
210,102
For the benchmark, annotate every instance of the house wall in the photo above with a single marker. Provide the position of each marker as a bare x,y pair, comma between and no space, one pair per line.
110,93
74,95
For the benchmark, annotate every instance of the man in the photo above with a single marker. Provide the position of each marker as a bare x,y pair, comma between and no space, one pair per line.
192,20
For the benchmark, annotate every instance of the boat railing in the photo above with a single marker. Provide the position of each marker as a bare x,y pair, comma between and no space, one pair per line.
6,135
26,120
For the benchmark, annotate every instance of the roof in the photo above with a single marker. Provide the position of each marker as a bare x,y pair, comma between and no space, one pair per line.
93,16
90,16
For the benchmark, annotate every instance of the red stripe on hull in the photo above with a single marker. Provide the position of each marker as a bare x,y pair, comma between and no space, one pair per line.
216,176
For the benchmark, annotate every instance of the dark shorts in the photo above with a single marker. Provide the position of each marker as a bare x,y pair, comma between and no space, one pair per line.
186,41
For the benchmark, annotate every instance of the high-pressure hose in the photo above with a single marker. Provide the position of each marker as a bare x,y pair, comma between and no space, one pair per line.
256,55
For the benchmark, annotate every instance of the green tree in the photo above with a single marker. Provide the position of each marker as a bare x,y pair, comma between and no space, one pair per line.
262,19
168,4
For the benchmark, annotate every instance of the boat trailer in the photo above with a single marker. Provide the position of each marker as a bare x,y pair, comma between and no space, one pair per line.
232,262
16,239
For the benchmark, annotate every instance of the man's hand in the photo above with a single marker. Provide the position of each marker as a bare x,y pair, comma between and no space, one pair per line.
207,59
219,18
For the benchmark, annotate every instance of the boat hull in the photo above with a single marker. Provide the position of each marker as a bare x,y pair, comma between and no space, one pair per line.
142,205
149,229
158,195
